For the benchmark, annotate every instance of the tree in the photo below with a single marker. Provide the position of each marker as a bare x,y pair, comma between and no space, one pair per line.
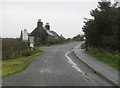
102,31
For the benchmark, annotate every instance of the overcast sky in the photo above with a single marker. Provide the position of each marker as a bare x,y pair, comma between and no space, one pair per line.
65,17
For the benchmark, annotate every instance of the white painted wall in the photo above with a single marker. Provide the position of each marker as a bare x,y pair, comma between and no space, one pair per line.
25,35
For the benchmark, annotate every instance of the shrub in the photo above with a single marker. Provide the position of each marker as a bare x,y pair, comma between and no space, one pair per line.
26,53
83,46
12,48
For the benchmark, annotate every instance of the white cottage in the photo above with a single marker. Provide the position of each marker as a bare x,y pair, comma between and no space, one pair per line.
24,35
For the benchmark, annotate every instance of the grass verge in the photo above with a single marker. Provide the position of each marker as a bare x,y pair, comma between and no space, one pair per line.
105,57
16,65
70,41
83,46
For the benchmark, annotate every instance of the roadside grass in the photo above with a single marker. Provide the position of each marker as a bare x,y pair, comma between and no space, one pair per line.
16,65
83,46
67,42
105,57
0,68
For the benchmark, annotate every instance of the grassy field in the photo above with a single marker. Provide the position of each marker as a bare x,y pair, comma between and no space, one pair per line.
105,57
18,64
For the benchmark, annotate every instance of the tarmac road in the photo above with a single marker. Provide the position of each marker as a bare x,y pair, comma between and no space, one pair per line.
58,66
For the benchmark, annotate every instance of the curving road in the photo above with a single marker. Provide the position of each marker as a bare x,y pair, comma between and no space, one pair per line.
58,66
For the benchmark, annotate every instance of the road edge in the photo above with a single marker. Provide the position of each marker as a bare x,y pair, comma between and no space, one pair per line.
97,72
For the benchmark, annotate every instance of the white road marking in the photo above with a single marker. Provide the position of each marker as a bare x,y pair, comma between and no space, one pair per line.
74,65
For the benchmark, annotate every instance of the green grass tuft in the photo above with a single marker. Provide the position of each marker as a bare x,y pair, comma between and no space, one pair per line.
16,65
106,58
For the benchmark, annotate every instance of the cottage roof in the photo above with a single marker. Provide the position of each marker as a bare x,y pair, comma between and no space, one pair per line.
49,32
55,34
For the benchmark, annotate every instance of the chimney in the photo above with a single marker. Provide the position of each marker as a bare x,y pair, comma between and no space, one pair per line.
39,20
47,26
39,23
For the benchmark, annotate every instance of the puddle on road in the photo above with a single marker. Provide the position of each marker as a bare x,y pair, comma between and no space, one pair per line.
74,65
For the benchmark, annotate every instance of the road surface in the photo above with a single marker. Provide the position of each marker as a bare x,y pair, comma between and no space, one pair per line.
57,66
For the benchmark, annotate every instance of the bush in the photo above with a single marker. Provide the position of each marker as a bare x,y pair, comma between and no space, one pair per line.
26,53
12,48
83,46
